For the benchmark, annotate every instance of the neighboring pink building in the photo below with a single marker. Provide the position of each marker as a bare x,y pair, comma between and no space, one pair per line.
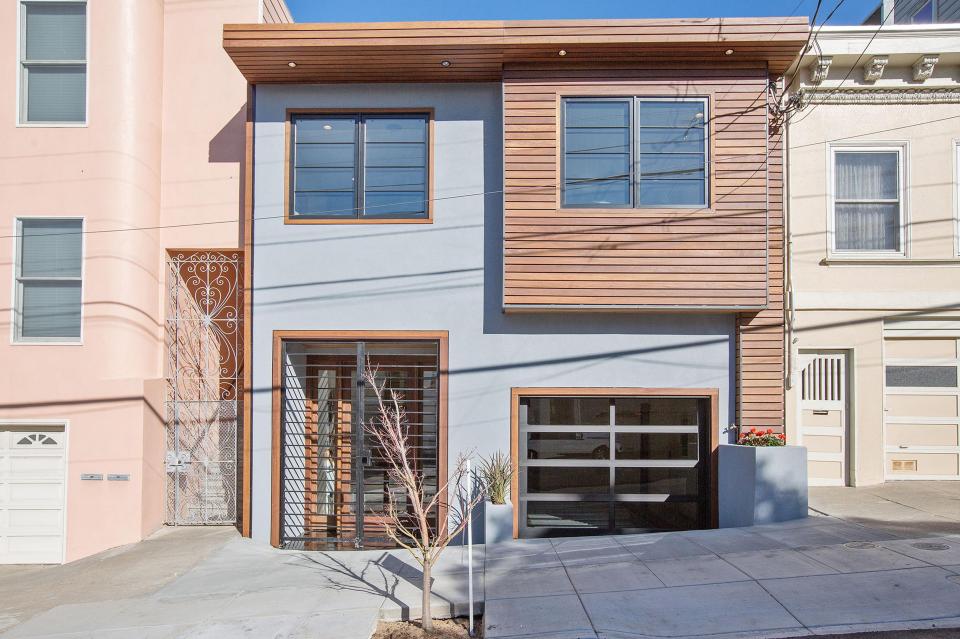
123,130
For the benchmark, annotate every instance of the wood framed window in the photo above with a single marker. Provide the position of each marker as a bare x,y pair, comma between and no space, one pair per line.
635,152
48,280
53,62
359,167
867,214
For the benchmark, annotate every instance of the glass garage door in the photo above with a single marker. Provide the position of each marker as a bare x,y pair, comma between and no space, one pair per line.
601,465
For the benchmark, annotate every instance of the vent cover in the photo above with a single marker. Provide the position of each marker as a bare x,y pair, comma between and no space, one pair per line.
904,464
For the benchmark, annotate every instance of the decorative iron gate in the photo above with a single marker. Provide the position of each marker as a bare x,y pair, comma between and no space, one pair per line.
204,333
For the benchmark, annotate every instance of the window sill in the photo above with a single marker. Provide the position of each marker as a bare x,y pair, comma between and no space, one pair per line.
389,220
19,342
52,125
889,261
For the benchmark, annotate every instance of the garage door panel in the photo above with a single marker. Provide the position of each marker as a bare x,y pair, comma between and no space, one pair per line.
927,464
906,405
600,464
922,435
32,495
935,348
25,466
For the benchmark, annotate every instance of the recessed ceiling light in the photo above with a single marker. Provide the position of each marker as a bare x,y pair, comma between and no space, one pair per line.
327,127
728,52
562,52
444,63
291,64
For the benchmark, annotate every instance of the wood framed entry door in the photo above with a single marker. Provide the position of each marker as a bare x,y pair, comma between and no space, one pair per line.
336,488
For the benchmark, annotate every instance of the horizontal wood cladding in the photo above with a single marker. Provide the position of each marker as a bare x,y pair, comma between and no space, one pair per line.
714,257
760,336
478,50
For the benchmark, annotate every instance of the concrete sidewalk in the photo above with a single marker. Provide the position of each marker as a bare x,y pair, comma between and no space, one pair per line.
815,576
904,508
818,575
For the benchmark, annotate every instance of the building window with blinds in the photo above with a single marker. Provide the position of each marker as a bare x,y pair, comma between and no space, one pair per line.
868,200
48,280
53,62
365,167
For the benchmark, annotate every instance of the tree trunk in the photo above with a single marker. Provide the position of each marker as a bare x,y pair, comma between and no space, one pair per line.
426,618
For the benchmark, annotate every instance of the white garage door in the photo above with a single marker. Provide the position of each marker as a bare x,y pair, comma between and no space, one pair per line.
32,462
922,402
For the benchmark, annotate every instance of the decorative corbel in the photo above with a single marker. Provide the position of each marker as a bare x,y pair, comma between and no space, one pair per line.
873,70
819,69
923,68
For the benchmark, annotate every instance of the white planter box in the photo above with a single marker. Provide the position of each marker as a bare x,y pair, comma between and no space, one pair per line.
497,522
761,484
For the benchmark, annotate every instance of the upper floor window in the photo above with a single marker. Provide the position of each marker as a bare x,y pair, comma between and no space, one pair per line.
360,167
635,152
926,14
53,62
868,199
48,280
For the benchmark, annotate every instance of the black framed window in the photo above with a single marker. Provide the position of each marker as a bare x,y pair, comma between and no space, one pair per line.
350,166
635,152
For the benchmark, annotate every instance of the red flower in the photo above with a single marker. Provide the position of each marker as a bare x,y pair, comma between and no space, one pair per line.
769,431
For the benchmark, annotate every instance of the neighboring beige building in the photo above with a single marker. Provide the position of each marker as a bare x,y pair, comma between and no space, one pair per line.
122,125
873,263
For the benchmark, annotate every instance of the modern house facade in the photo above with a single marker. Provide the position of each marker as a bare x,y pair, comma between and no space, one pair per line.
873,254
561,240
123,140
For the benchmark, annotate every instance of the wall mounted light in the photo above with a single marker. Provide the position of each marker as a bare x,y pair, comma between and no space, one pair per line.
562,52
728,52
291,64
444,63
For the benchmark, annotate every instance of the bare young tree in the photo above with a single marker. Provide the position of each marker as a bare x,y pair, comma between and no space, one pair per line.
427,523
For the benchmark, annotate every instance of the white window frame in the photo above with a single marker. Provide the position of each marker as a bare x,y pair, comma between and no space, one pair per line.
956,196
901,149
21,92
15,290
933,8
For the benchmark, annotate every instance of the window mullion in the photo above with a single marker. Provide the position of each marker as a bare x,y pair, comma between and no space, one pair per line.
635,152
360,161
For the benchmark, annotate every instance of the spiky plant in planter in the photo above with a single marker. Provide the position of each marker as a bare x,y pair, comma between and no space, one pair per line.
496,473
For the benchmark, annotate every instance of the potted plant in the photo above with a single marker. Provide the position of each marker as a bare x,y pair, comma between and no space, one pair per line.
496,474
762,479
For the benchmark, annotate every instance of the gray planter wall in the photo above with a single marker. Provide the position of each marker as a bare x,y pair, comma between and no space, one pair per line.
497,522
761,485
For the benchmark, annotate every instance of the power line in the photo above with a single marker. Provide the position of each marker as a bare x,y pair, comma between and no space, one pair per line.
545,189
855,65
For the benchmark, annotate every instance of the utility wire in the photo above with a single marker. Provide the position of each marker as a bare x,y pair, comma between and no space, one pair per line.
856,65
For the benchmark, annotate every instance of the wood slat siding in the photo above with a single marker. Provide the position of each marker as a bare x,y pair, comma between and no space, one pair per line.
276,12
760,336
687,258
478,50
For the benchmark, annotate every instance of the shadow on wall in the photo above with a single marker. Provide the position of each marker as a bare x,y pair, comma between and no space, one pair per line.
229,142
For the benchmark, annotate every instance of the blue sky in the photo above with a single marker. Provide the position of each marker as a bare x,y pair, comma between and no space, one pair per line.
851,11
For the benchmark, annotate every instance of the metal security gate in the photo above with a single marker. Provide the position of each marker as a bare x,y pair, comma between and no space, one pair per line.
204,367
335,487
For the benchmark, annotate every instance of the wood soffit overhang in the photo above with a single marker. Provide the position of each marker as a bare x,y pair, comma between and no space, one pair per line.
478,51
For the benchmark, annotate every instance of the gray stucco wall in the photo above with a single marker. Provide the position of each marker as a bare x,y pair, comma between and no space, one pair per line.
446,276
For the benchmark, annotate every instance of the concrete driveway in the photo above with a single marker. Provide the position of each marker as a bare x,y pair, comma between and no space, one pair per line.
814,576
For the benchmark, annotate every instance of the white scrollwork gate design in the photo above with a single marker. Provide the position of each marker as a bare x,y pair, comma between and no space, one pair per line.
204,334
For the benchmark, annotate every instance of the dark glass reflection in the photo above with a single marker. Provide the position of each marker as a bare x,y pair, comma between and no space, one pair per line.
657,446
568,445
652,516
568,480
659,411
572,411
568,514
682,482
